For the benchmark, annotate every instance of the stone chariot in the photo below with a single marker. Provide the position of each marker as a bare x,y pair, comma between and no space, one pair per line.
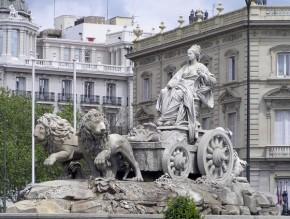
211,154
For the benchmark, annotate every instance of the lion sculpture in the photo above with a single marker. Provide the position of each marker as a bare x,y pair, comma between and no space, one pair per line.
59,139
105,153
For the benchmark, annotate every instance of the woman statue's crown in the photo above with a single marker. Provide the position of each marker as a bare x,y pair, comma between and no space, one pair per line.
195,48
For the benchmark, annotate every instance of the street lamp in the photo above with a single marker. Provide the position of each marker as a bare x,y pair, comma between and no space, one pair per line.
248,3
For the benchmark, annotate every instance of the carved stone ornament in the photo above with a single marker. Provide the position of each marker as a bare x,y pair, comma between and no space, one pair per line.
147,132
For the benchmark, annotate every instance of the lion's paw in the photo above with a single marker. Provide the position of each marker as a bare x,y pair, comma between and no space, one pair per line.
49,161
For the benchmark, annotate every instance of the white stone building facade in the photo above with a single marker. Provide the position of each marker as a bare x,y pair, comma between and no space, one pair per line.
104,75
223,40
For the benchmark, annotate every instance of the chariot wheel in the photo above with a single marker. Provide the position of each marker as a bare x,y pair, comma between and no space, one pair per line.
177,162
215,156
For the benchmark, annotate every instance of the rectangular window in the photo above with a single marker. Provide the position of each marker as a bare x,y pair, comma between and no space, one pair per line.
146,89
282,127
231,68
43,86
20,84
232,126
15,43
66,87
205,123
66,54
78,55
87,56
283,64
89,89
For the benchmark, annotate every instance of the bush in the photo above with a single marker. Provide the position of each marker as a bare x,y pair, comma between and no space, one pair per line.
182,208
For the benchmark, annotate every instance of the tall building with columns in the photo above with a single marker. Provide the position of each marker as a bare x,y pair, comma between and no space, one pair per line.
223,40
104,75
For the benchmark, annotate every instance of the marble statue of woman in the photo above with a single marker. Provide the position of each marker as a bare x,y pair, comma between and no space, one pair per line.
192,84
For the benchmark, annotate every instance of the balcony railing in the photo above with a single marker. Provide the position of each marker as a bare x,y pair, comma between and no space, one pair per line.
92,99
22,93
80,66
278,151
108,100
65,98
45,96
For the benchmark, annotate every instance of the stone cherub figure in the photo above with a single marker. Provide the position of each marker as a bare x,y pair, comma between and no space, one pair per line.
13,13
179,101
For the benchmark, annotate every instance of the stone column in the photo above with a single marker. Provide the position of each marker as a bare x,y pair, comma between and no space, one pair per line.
123,58
72,53
25,49
4,49
9,35
130,102
93,56
29,45
61,53
21,44
34,35
82,54
112,57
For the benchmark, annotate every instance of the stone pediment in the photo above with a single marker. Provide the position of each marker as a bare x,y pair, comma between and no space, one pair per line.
282,93
229,96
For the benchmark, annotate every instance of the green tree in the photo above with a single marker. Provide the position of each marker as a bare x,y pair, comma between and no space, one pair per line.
15,144
182,208
67,112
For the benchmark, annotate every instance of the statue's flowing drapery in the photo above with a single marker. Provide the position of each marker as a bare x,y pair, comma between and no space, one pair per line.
176,103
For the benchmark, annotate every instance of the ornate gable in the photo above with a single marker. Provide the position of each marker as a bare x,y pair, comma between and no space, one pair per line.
276,97
229,97
282,93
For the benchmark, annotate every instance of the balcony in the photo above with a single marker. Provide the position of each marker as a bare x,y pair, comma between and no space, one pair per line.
92,99
277,151
115,101
80,66
45,96
64,98
22,93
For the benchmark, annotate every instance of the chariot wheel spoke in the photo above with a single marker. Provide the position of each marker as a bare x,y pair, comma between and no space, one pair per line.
215,155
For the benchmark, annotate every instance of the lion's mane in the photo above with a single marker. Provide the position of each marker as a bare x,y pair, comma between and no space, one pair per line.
57,129
89,142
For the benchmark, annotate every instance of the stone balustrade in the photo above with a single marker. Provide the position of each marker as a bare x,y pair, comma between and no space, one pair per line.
258,13
277,151
65,65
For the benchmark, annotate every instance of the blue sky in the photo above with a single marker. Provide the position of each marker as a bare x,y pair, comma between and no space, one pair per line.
148,13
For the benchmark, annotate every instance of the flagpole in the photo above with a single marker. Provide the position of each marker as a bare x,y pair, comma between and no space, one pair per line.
75,93
33,121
